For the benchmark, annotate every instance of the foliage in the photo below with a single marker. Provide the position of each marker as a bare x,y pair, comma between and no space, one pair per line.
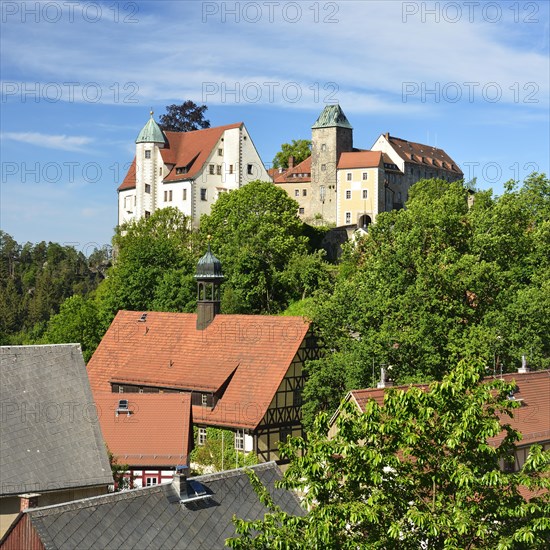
35,280
257,235
437,282
218,453
300,149
154,267
417,472
184,118
121,483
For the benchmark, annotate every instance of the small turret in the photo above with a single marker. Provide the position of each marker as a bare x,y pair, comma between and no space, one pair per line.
209,276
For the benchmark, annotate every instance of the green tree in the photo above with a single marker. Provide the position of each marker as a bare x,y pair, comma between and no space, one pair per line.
184,118
152,254
255,231
300,149
416,472
437,282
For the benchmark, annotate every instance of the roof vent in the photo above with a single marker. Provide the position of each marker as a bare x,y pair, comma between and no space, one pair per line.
143,318
524,367
122,407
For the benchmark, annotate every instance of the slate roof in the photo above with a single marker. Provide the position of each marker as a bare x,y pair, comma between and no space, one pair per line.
157,432
243,356
188,150
49,433
153,517
424,155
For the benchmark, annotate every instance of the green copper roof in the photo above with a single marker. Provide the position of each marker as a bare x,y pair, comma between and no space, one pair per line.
332,115
209,267
151,133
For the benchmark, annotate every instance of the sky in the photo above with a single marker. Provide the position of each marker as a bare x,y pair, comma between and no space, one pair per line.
78,80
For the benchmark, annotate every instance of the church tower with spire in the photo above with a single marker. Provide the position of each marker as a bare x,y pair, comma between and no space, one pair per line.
149,167
209,276
331,135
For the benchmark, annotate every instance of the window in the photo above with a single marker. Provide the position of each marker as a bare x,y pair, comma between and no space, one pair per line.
249,169
160,171
201,439
220,152
348,194
121,389
296,192
239,441
147,214
304,192
365,175
219,170
185,194
166,196
204,399
323,167
181,170
322,192
300,210
285,433
323,146
211,169
147,188
203,193
348,217
149,481
365,194
349,176
230,168
170,196
147,153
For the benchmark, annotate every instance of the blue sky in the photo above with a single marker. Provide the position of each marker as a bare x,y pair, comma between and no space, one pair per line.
78,81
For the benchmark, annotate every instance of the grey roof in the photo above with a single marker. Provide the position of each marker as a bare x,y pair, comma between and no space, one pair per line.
332,115
50,437
155,517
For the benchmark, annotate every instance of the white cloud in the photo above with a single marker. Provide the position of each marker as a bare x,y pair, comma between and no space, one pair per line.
61,142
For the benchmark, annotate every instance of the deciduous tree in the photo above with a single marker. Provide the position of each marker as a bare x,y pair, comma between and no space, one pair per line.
184,118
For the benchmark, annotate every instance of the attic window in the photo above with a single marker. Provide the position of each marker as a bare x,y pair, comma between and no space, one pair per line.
249,169
181,170
220,152
204,399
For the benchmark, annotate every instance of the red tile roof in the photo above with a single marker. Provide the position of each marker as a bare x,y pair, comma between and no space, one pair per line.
186,150
413,152
360,159
293,175
532,419
156,433
251,353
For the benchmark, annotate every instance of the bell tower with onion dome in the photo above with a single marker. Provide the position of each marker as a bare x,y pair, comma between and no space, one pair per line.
209,277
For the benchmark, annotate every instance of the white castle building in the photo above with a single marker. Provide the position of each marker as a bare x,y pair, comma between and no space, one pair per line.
187,170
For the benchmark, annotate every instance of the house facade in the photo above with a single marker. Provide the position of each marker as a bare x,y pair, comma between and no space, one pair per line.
243,373
348,186
187,170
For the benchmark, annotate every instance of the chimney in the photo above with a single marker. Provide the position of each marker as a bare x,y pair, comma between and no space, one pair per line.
28,500
179,482
385,381
524,367
290,162
387,136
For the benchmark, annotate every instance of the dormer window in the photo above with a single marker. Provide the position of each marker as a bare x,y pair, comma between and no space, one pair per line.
204,399
181,170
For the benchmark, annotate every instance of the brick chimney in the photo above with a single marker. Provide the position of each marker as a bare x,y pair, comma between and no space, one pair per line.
290,162
28,500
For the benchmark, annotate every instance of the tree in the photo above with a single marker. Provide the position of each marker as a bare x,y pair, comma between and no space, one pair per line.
415,472
300,149
184,118
255,232
437,282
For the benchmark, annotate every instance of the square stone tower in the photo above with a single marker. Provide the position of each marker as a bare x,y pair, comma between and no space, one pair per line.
331,135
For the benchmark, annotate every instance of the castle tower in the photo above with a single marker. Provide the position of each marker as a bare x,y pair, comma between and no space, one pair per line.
331,135
149,167
209,277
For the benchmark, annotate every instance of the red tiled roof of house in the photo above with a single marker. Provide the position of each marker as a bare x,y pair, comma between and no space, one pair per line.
156,433
248,355
293,175
413,152
184,150
360,159
532,419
